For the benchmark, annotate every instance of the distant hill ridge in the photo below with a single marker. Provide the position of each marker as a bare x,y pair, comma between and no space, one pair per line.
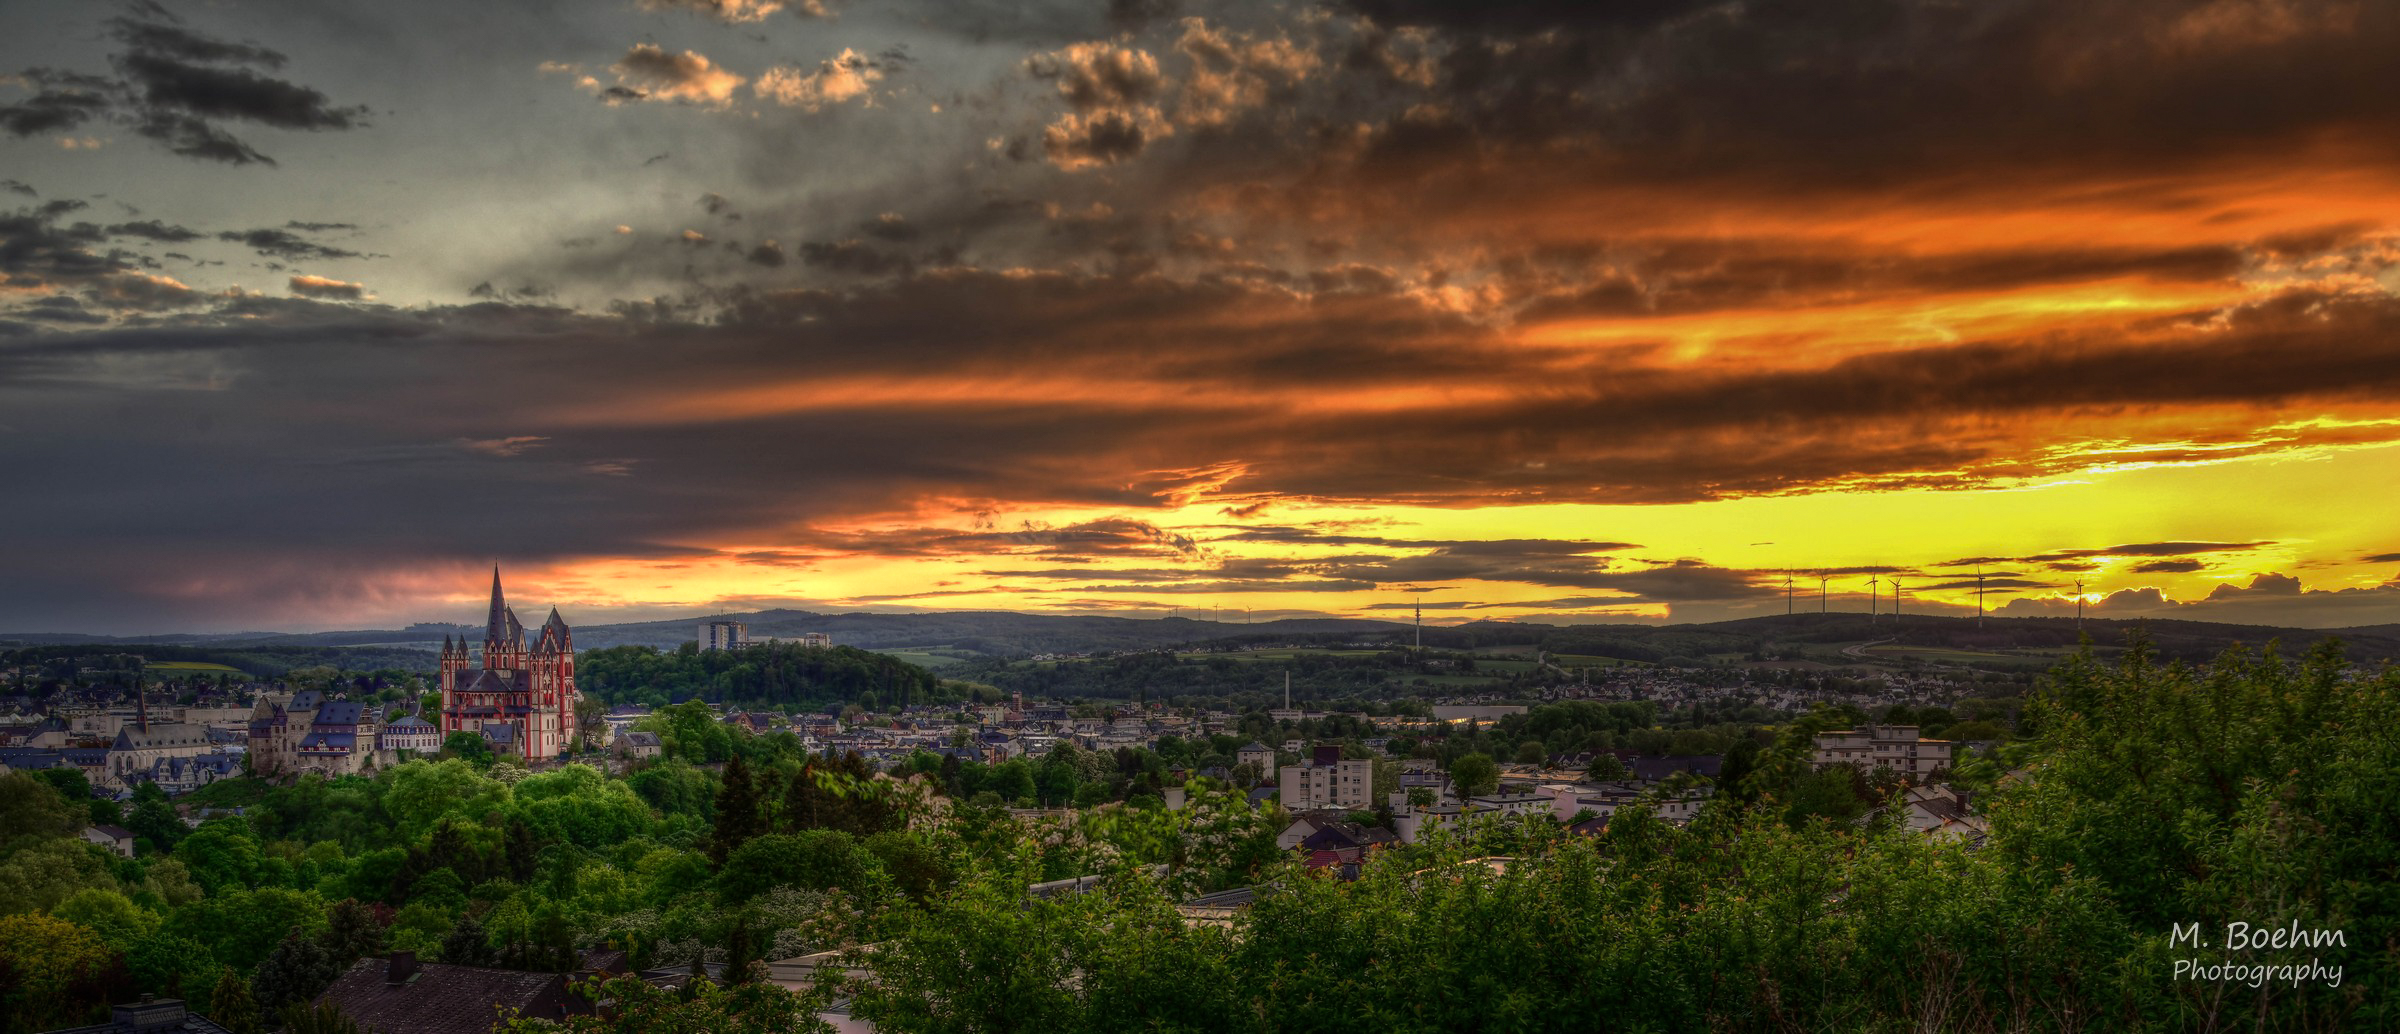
1010,633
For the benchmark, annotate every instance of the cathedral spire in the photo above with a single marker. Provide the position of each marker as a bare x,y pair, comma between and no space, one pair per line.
496,626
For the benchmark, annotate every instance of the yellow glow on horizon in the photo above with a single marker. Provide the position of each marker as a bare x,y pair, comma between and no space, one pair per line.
2238,500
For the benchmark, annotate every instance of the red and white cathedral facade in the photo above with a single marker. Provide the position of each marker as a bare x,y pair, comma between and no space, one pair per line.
522,698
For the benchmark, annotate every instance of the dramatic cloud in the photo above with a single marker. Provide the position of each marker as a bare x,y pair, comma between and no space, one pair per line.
284,244
175,85
327,289
738,11
1101,306
846,76
648,72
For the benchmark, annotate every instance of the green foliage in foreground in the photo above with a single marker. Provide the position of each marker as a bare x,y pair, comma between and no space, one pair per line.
2257,792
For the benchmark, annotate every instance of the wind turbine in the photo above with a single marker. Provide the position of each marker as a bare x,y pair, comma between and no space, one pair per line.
1874,597
1979,597
2078,603
1823,607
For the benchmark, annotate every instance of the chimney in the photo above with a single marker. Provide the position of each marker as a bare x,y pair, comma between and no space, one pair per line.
401,966
1965,796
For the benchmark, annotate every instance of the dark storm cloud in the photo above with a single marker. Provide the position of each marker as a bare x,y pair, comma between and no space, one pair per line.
154,230
174,85
34,251
1550,562
1679,278
58,308
1218,588
1989,583
165,39
850,257
16,187
231,93
1886,89
52,110
284,244
1108,537
2150,549
2185,566
2381,558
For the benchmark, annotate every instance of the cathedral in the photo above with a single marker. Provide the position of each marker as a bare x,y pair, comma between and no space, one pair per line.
522,699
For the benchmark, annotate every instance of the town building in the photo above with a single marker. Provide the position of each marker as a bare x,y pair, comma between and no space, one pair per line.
399,995
724,634
1894,747
409,732
1325,780
1256,753
522,696
304,732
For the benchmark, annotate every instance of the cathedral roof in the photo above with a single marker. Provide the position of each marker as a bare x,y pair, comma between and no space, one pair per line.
485,680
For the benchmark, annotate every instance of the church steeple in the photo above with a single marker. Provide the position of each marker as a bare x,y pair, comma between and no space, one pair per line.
496,625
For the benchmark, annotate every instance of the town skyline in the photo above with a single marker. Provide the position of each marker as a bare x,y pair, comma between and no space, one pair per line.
309,312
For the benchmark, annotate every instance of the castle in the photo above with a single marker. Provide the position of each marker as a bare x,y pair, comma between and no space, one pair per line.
522,699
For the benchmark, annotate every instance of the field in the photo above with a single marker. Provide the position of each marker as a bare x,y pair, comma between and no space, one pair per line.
1268,656
934,657
187,666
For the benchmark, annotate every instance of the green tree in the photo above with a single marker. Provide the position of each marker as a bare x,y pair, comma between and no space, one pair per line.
296,971
818,859
173,967
352,931
31,810
468,945
739,812
109,914
322,1018
242,927
642,1008
469,747
1606,767
155,820
36,878
1474,775
222,855
56,972
231,1005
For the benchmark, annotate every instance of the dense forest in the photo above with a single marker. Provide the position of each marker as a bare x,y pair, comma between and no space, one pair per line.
777,676
264,662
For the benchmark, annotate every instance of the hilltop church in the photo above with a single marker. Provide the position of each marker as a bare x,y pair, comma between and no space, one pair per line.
522,699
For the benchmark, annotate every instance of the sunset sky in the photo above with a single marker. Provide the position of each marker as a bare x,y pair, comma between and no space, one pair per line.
1560,311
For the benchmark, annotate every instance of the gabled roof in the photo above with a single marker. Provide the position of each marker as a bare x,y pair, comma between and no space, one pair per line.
440,998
